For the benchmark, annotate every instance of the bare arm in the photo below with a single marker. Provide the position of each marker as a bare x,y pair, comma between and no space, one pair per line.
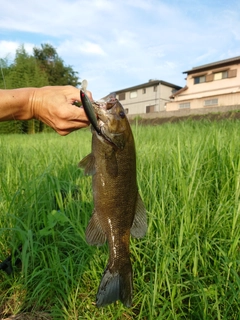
52,105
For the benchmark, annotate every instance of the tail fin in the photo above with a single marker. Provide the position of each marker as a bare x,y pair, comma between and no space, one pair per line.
115,286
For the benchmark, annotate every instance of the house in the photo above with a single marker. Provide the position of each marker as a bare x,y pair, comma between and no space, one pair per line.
215,84
147,97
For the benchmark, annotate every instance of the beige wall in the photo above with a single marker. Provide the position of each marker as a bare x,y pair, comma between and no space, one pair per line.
138,104
154,99
226,91
166,92
223,100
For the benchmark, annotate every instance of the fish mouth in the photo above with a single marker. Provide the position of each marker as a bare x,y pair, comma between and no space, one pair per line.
103,113
96,112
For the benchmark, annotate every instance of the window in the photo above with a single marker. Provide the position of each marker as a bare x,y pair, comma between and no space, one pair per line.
220,75
210,102
144,90
200,79
155,89
133,94
121,96
184,105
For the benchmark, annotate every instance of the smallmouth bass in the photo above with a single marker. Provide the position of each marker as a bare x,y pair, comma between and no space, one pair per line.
118,208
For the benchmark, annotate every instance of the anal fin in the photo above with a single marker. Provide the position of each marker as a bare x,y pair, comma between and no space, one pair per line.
94,232
139,226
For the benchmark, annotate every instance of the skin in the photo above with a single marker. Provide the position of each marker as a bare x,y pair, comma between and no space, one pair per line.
114,199
115,193
53,105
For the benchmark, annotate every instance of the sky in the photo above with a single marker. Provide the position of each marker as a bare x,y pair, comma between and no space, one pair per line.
122,43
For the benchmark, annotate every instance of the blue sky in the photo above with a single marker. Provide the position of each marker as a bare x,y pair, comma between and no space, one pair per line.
119,44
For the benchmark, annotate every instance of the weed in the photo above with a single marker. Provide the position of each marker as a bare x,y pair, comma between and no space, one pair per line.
186,267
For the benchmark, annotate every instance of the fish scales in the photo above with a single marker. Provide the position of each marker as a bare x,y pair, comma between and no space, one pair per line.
118,208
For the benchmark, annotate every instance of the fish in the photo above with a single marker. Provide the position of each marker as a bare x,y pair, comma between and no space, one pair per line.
118,208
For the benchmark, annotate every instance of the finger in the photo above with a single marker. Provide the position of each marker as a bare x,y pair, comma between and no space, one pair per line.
75,94
78,114
76,125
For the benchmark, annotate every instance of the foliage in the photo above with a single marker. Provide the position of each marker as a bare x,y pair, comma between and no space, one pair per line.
4,72
25,72
53,65
42,68
186,267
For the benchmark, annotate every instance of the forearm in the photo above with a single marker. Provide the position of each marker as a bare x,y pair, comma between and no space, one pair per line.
15,104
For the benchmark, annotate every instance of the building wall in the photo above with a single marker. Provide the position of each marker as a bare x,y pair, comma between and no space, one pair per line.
222,92
166,92
149,99
136,101
206,102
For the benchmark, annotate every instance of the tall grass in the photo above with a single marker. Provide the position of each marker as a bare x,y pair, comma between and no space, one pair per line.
187,266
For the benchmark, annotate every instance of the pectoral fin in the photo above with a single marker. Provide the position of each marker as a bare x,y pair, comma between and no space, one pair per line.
139,226
88,164
94,232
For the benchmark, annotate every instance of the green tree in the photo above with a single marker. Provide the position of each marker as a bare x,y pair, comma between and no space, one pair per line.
4,70
42,68
23,72
58,73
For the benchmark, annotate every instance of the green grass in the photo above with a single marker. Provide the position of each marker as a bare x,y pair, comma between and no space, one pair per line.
186,267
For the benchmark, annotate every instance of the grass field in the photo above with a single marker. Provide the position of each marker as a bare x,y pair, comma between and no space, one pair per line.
186,267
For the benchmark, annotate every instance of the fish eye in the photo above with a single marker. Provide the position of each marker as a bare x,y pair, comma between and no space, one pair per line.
122,114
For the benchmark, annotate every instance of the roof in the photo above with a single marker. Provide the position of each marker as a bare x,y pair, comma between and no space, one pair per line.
178,92
218,64
150,83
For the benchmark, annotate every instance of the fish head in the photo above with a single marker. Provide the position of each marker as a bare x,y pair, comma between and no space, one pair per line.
113,123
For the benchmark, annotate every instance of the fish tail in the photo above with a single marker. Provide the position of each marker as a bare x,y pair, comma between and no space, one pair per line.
115,285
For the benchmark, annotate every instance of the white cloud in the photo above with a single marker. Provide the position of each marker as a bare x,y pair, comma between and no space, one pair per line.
75,46
8,49
91,48
119,43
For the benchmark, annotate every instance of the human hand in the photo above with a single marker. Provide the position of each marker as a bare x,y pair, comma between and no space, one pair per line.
53,105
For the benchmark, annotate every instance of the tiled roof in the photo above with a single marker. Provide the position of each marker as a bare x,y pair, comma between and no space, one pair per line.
150,83
218,64
178,92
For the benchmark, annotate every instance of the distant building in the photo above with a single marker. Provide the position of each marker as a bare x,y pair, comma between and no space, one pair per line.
147,97
211,85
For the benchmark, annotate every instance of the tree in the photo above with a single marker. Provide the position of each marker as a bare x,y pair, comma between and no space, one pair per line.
53,65
4,71
24,72
42,68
